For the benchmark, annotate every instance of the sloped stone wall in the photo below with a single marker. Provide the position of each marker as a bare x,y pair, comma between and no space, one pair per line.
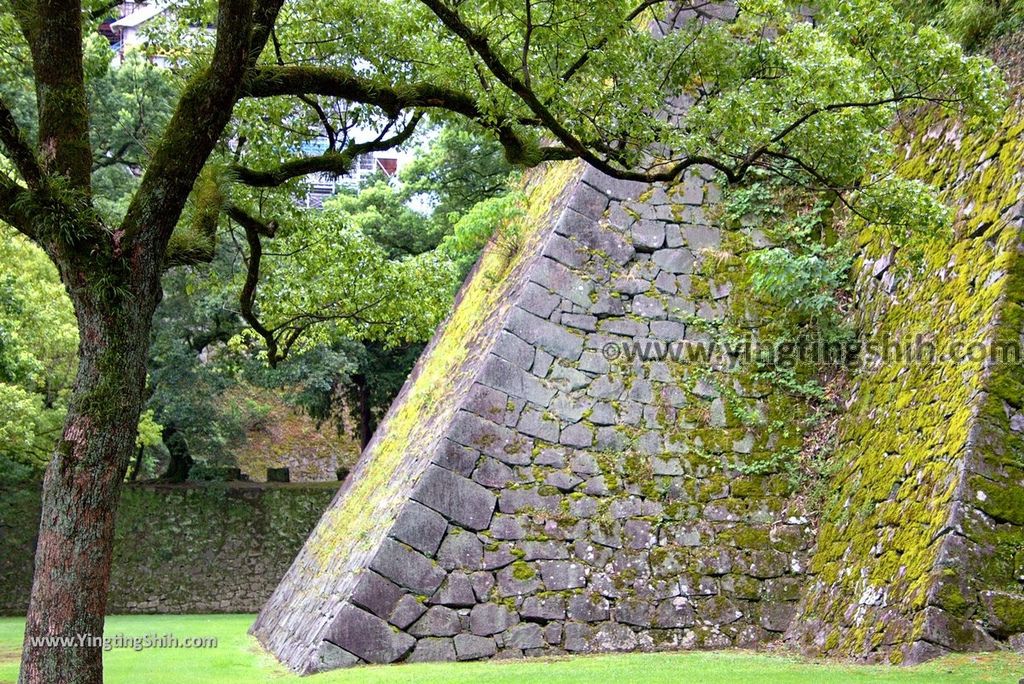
412,434
920,552
554,478
584,496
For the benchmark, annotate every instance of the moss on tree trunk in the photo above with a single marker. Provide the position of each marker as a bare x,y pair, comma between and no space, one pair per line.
83,482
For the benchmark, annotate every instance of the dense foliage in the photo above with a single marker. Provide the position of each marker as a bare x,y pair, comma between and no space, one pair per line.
972,22
38,340
347,295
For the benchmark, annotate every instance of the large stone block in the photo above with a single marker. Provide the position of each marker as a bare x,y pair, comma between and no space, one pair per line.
497,441
490,618
407,568
543,608
367,636
588,201
550,337
376,594
561,575
560,280
457,498
419,527
472,647
514,381
461,550
456,590
678,260
524,635
438,621
432,649
593,236
330,657
407,611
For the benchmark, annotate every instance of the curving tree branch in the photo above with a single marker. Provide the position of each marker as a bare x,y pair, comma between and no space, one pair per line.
205,107
274,81
18,150
12,198
254,230
337,163
102,11
277,81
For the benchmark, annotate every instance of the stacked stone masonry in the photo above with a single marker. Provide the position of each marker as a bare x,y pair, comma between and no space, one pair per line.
581,501
550,482
562,492
921,550
214,548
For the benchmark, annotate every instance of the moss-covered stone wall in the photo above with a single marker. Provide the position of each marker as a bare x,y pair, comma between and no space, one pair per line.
920,549
179,549
410,435
560,474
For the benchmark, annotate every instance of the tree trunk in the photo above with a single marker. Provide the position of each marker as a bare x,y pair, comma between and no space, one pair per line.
83,482
137,466
366,426
181,461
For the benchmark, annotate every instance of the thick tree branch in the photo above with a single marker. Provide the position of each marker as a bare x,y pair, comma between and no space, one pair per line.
12,198
337,163
103,11
17,149
274,81
188,255
254,228
330,82
199,119
333,163
325,121
53,30
264,17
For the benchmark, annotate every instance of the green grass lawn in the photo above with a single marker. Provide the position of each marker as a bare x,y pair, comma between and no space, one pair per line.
238,660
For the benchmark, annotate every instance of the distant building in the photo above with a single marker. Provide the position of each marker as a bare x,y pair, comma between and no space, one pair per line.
125,32
322,186
126,29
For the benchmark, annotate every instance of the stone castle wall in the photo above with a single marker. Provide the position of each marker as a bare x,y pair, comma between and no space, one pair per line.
571,493
179,549
579,500
920,552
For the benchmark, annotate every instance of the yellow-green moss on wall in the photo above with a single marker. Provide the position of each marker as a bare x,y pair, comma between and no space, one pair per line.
904,440
364,510
378,487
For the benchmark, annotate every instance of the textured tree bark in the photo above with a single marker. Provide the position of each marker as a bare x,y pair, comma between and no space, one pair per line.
82,485
112,275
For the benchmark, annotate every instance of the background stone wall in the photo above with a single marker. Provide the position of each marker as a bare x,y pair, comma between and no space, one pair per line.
179,549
